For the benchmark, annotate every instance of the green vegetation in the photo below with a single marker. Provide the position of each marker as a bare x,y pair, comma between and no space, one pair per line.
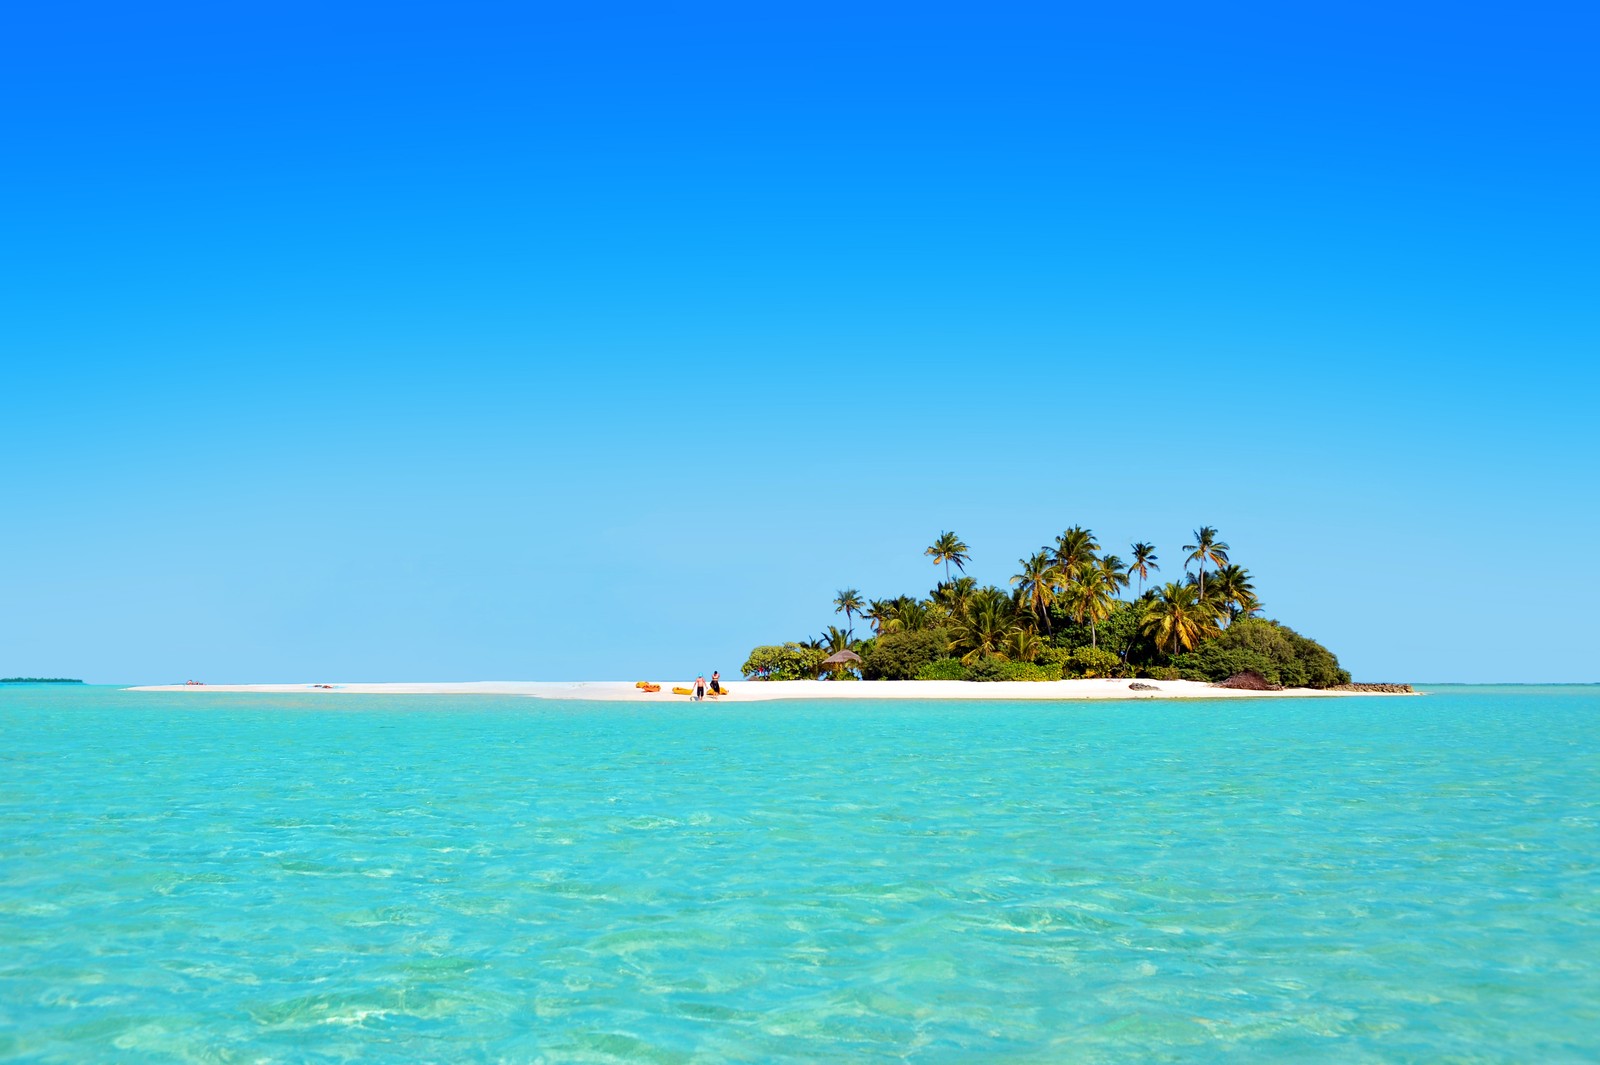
1065,616
791,661
1275,651
40,680
903,655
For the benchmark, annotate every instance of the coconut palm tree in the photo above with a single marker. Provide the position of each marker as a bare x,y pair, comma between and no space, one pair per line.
1175,617
908,615
1144,560
847,602
1206,548
953,595
1073,548
837,639
1115,573
948,548
1088,598
1036,584
1021,644
880,612
981,628
1235,589
1212,604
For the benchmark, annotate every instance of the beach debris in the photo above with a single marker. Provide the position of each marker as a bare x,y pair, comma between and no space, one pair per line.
1138,687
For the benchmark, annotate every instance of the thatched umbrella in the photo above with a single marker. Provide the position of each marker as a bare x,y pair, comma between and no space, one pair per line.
839,660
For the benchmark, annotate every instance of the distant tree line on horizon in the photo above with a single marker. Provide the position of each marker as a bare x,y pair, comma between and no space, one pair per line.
1063,617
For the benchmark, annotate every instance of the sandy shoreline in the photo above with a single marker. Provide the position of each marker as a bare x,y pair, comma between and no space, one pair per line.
761,691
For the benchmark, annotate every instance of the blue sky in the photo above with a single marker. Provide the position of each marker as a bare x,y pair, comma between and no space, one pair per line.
492,341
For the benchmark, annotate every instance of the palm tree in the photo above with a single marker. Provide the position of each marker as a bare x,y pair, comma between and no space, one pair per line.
1021,644
1112,569
847,602
1235,589
1073,548
948,548
837,639
881,613
908,615
1089,599
1144,560
1036,584
981,628
1206,548
953,595
1175,617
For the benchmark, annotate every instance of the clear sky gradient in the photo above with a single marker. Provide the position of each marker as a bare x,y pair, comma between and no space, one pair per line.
388,342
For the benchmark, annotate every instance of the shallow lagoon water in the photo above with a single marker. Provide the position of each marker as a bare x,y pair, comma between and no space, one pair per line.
243,878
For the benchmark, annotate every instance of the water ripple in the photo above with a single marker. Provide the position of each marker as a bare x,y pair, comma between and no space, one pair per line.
233,878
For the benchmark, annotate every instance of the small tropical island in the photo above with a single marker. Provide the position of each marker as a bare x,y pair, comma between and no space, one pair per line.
40,680
1097,626
1065,617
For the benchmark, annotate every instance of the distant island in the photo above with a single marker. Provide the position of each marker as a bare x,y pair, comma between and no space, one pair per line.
40,680
1064,618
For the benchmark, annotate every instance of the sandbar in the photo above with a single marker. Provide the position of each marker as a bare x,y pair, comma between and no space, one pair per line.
768,691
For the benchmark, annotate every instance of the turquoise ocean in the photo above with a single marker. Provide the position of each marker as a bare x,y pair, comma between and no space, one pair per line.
221,878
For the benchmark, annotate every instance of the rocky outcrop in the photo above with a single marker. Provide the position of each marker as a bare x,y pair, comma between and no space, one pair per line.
1137,687
1378,689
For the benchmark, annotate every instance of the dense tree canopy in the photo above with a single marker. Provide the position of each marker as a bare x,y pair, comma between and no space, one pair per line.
1065,616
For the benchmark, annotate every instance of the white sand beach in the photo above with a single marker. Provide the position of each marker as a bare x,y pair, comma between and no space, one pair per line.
767,691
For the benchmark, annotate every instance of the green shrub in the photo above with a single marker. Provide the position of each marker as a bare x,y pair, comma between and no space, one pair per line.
994,669
986,669
943,669
788,662
1056,656
1027,671
1163,673
1212,661
1275,651
902,655
1090,662
1322,668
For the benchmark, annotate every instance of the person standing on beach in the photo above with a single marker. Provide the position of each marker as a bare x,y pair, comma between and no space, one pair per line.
716,683
699,687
